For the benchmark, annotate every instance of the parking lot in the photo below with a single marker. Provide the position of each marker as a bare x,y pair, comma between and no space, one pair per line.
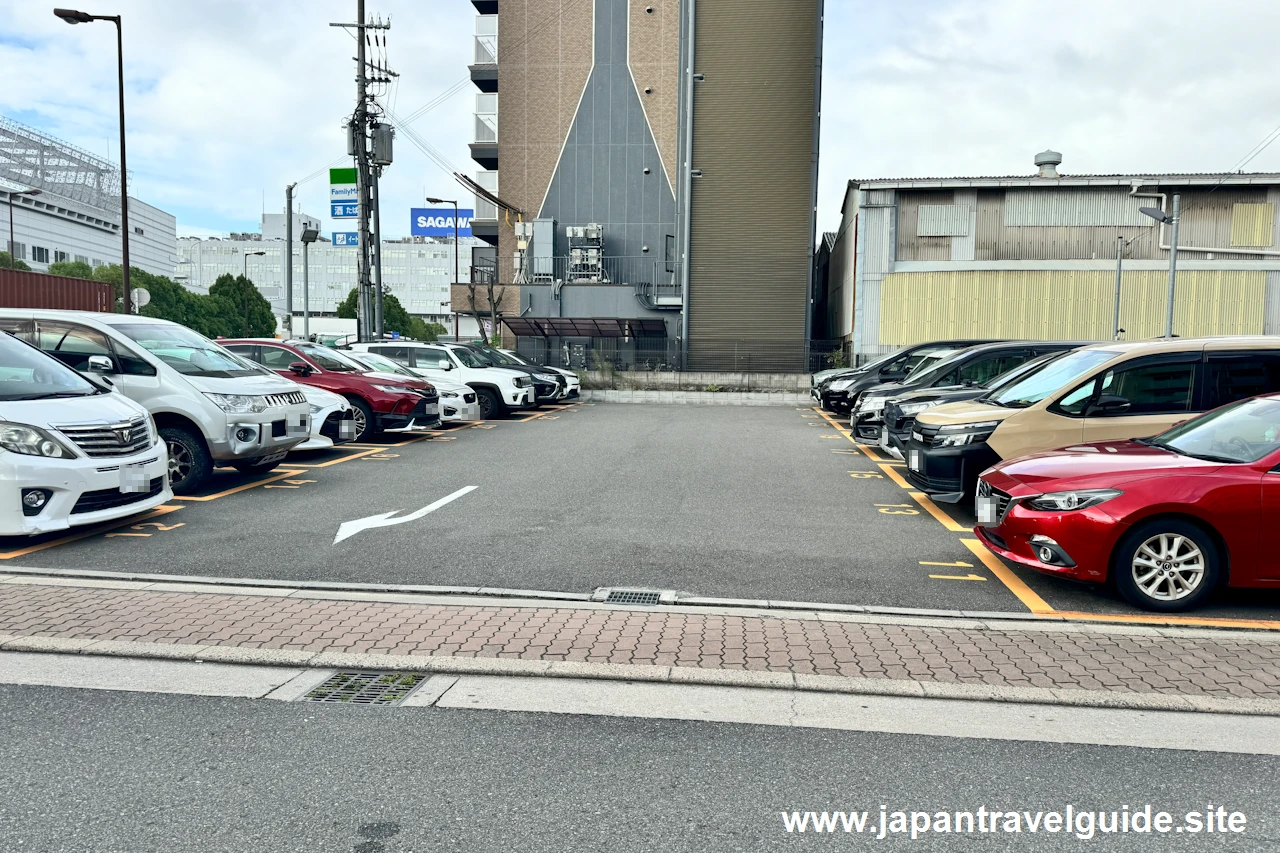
718,501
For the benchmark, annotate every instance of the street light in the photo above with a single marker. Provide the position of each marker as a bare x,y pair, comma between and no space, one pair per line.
12,256
247,285
309,236
71,16
455,255
1160,216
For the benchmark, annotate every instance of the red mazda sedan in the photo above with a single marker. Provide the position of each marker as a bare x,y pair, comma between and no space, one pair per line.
1166,518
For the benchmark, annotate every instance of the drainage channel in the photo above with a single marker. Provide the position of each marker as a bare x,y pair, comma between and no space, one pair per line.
365,688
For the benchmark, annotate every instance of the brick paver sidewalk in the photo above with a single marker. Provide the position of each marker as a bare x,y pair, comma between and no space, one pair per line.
1232,665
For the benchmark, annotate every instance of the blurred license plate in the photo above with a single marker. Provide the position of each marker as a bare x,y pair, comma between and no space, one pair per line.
913,460
884,436
431,408
133,479
986,509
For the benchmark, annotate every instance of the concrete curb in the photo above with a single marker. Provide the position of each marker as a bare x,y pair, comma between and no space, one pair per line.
660,674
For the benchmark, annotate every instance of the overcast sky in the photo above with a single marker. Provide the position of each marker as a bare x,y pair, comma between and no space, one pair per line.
230,100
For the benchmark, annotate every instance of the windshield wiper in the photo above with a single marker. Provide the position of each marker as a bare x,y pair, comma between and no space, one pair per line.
1208,457
52,395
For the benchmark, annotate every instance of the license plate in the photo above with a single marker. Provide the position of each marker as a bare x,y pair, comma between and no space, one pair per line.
133,479
913,460
986,508
347,429
431,408
884,436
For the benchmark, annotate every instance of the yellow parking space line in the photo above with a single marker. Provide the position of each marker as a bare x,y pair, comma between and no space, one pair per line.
1167,619
346,458
416,438
539,415
280,475
163,509
936,511
958,577
1015,584
893,474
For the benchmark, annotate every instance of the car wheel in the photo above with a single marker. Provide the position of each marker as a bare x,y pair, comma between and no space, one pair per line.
1166,564
189,461
490,405
362,419
255,467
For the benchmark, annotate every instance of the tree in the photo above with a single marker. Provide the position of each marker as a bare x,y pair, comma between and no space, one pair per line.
394,318
347,307
238,301
7,262
71,269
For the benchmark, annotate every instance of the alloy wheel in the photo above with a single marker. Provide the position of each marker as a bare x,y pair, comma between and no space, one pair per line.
358,421
180,462
1168,567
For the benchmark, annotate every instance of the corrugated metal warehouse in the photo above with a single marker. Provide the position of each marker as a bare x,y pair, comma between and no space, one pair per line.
1035,256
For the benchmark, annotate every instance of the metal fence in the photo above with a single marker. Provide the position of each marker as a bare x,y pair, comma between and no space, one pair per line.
659,355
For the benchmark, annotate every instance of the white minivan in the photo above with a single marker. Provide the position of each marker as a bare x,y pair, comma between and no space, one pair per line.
499,390
72,452
211,407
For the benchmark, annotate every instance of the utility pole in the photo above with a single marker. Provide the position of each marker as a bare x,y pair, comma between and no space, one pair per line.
1173,267
288,261
378,329
363,120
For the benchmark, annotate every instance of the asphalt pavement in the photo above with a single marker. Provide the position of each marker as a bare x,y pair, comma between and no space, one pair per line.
91,770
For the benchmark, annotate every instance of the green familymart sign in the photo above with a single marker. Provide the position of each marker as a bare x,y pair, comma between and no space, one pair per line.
344,198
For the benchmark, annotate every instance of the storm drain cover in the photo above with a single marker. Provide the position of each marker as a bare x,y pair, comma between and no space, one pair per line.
634,596
366,688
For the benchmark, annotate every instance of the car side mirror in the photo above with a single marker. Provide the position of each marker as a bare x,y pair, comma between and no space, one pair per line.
1108,404
101,364
444,364
301,368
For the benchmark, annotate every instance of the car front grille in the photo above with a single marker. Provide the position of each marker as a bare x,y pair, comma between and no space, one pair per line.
332,426
926,435
933,484
1003,499
290,399
430,394
111,498
104,440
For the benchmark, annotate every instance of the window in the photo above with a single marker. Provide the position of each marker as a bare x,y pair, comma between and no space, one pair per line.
130,363
1151,389
396,354
277,358
983,370
82,259
72,344
248,351
18,251
1234,376
138,231
23,329
39,254
59,257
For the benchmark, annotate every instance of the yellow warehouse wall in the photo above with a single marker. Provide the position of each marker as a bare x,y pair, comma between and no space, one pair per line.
1066,304
1251,224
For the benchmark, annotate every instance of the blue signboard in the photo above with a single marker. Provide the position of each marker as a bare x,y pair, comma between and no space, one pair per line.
342,210
438,222
346,238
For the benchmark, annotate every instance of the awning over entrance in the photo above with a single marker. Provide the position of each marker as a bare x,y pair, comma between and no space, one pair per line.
586,327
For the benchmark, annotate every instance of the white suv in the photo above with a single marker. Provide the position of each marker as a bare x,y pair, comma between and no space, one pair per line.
498,389
71,451
211,406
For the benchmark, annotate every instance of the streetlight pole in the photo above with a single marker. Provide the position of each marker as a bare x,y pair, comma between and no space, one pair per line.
455,255
1173,268
71,16
309,236
12,256
247,285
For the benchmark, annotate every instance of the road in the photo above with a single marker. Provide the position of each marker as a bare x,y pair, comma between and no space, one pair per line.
91,770
738,502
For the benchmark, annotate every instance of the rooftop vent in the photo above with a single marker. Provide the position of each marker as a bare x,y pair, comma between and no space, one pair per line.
1047,162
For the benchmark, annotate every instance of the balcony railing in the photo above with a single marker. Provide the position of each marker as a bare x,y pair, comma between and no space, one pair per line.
581,267
486,39
485,209
486,117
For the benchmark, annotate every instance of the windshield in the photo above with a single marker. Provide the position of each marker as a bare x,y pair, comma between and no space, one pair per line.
494,356
187,352
927,373
380,363
1024,369
1050,377
28,374
920,363
519,359
468,357
1241,432
330,359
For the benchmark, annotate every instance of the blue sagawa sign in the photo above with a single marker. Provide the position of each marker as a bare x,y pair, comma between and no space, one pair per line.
438,222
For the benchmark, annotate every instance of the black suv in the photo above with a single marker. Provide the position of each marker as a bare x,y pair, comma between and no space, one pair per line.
548,386
839,393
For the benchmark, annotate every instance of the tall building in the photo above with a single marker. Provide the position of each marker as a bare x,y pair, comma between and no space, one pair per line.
1034,256
628,148
65,206
416,270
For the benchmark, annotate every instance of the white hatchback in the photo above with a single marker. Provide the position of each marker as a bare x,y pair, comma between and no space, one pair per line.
72,452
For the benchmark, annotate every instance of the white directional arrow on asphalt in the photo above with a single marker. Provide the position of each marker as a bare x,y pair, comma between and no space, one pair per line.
350,528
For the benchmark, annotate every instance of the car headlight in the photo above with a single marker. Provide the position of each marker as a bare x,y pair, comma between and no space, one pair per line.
840,384
448,393
572,377
32,441
914,408
1066,501
315,410
393,389
956,435
522,381
238,404
871,403
544,377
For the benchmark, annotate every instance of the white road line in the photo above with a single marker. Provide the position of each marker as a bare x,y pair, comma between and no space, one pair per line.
350,528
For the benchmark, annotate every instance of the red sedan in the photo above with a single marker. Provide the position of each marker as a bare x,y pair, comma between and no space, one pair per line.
1166,518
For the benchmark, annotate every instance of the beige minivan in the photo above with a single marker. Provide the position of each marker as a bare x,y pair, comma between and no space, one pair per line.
1096,393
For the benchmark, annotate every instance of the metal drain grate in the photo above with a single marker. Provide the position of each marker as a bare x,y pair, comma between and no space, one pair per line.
366,688
634,596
